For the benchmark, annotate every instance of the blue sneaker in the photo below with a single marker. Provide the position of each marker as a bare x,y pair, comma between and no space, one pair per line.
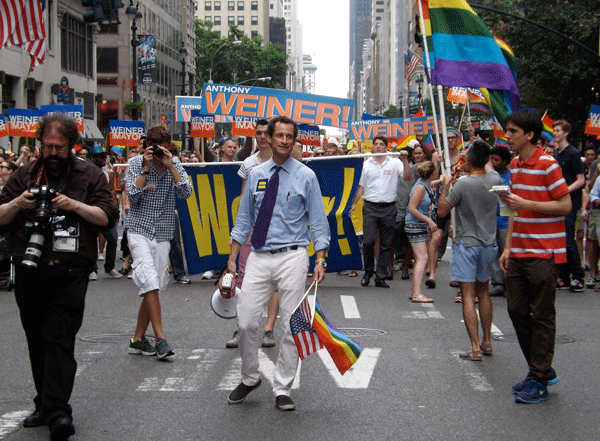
552,380
533,393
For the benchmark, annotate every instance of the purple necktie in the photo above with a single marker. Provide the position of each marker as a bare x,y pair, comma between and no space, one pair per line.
261,226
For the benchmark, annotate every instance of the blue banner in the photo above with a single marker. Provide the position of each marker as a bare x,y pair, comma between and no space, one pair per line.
208,216
258,102
125,133
393,127
74,111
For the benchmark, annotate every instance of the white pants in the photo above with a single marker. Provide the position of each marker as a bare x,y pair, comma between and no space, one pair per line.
265,273
150,262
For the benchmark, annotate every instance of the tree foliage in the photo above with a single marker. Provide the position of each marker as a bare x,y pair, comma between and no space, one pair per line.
554,75
237,63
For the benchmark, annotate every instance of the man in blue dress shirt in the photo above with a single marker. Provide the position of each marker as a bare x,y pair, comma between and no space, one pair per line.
281,263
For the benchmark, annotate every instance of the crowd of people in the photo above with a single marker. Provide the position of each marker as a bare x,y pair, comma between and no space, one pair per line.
520,217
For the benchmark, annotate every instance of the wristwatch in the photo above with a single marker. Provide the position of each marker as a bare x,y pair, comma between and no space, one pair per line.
322,263
144,172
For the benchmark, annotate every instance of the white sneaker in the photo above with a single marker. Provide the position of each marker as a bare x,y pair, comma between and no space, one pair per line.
208,275
114,274
590,282
100,257
93,276
130,275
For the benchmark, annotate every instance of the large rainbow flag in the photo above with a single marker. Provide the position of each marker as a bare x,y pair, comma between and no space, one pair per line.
310,337
464,53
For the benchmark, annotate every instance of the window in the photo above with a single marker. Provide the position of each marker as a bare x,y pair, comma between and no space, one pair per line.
254,6
217,20
207,6
217,6
240,21
231,6
253,34
254,20
240,6
31,99
77,43
231,20
208,18
107,60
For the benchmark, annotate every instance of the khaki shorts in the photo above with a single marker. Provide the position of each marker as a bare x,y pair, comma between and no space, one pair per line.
593,217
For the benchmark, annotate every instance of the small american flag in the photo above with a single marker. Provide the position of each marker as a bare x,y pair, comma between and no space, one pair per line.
307,340
410,64
22,24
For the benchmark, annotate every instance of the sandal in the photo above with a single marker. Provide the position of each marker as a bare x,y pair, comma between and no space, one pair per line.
454,284
421,299
471,355
430,283
486,349
353,273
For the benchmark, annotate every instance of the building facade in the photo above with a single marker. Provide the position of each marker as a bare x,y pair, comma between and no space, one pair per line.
308,76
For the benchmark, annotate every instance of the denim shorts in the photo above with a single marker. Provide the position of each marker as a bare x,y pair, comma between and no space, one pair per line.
416,232
470,264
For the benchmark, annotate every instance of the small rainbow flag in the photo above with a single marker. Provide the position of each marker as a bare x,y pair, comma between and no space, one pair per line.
477,101
548,131
309,339
501,142
118,150
429,143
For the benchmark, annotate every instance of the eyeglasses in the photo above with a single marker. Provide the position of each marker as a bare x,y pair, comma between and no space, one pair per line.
4,166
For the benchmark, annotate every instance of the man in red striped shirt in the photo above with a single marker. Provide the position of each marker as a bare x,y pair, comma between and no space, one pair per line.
535,244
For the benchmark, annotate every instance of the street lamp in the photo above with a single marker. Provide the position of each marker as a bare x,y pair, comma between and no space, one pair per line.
255,80
401,100
183,52
419,81
214,56
133,13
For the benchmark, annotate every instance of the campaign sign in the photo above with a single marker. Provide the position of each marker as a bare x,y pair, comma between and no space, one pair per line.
393,128
309,135
258,102
72,111
23,122
592,125
202,126
184,106
243,126
125,133
3,126
207,217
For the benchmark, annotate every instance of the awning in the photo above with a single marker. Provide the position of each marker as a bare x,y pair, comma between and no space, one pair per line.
91,132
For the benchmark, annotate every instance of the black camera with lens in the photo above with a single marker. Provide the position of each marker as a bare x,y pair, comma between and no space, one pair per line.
40,225
157,151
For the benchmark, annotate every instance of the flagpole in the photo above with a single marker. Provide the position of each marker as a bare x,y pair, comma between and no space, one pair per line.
441,102
435,121
463,114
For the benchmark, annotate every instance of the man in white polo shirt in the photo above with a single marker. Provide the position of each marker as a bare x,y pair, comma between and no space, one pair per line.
379,185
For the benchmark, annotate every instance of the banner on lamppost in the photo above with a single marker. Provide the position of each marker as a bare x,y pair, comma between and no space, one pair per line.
146,59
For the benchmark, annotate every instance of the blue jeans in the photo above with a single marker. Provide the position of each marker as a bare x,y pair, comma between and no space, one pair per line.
176,254
111,237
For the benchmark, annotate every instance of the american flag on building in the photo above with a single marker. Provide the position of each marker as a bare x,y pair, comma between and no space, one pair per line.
307,340
22,24
410,64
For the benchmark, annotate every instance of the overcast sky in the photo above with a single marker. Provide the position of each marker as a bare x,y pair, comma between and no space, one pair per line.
325,24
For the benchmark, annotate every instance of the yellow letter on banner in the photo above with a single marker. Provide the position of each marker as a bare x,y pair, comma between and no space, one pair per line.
215,219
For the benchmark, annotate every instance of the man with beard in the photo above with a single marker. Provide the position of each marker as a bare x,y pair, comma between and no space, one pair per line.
50,288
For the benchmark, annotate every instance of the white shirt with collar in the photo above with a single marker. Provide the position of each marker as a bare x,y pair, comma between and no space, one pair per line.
380,181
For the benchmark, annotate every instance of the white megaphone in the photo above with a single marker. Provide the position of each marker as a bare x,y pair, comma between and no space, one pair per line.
224,299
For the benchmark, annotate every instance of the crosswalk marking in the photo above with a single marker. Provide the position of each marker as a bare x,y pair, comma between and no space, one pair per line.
475,378
350,307
9,422
359,375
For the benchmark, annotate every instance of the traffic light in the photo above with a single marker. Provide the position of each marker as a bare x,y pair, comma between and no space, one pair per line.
95,13
418,33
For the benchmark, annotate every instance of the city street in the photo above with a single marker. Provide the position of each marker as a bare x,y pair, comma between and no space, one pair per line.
409,383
